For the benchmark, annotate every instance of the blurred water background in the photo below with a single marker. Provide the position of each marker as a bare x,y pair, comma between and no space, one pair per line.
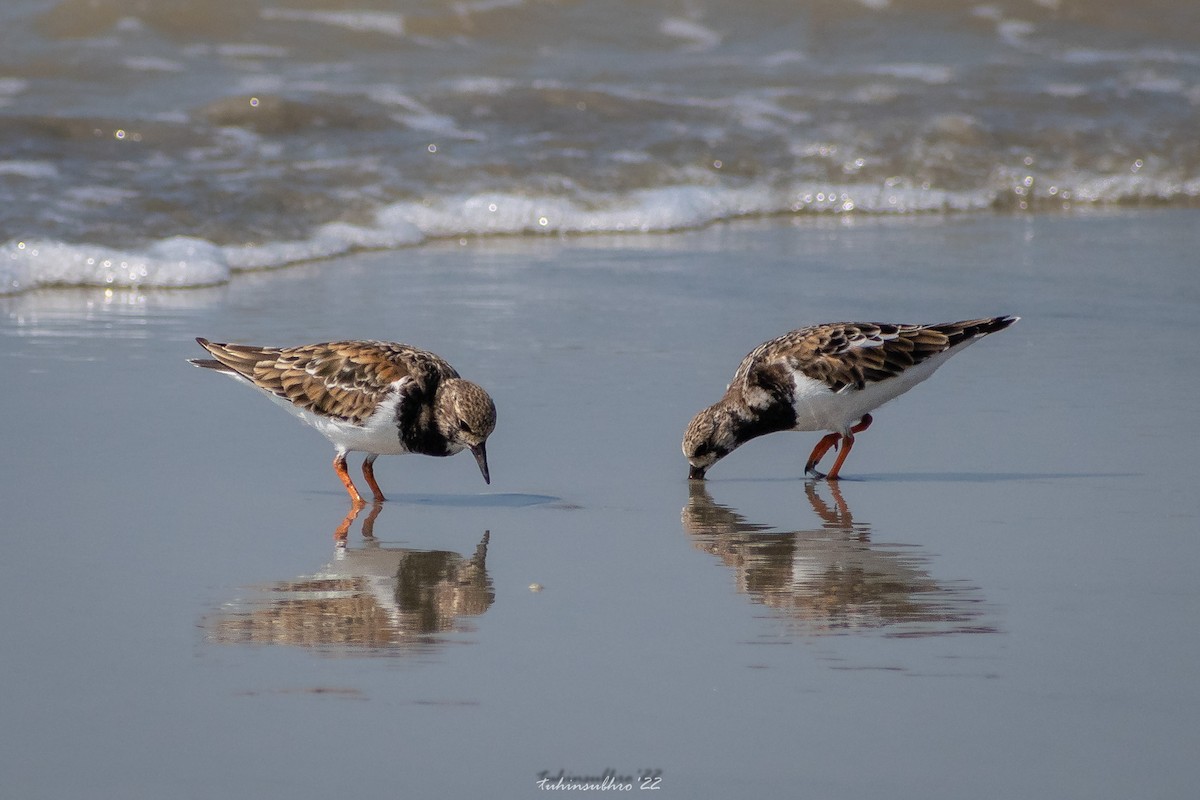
173,143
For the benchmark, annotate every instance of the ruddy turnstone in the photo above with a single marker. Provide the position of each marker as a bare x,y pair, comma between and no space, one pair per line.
380,398
824,378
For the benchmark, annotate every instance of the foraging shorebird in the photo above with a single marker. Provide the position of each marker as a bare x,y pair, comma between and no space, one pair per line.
379,398
824,378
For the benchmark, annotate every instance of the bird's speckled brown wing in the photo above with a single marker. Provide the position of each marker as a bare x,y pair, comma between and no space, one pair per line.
853,354
344,380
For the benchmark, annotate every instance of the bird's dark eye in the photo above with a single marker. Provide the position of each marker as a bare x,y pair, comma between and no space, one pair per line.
463,426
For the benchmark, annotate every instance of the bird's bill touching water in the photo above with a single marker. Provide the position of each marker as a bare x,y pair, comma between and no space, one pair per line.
480,453
696,473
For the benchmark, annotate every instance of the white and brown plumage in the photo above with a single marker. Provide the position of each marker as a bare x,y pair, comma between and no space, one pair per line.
824,378
379,398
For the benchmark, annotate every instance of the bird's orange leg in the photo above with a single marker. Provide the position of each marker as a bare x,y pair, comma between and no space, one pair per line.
369,474
847,444
827,441
339,466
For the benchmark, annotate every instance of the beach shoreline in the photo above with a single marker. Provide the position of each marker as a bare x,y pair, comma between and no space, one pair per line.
1007,565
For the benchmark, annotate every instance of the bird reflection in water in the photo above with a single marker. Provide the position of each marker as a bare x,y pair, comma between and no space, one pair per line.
832,579
342,532
372,599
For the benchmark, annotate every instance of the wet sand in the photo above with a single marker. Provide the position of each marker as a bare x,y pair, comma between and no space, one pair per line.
998,601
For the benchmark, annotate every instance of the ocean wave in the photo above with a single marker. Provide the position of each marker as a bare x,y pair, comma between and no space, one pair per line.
178,262
389,24
279,132
187,262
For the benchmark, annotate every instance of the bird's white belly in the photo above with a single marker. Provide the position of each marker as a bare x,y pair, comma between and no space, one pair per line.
819,409
379,434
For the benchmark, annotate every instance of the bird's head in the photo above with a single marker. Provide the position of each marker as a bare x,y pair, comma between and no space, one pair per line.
708,438
468,417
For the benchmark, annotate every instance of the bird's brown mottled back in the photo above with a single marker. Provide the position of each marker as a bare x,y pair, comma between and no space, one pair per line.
345,380
842,354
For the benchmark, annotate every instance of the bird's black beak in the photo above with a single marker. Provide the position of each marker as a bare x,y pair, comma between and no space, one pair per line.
696,473
480,453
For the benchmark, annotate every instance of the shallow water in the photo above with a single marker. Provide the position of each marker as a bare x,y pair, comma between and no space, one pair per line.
998,600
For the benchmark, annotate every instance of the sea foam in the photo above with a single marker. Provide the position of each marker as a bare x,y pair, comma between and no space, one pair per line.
177,262
181,262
